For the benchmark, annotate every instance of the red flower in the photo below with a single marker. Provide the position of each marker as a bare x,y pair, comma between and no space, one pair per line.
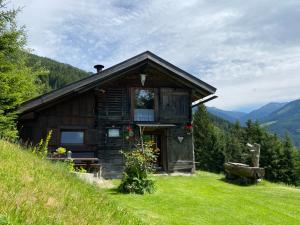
189,126
129,129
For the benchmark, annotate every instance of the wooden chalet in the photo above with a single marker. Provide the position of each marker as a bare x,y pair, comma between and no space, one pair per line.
104,113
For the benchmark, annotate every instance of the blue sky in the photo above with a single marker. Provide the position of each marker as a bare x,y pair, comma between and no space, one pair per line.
249,50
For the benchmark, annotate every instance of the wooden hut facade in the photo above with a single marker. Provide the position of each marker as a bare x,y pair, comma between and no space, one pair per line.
104,113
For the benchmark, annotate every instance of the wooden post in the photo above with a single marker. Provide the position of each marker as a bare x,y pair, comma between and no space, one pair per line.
141,137
255,153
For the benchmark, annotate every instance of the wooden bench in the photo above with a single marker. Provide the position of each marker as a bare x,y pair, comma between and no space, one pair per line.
87,163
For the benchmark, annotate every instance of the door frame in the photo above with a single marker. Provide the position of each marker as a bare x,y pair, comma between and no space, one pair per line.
163,134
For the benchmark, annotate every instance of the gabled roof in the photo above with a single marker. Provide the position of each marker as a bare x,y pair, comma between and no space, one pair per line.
97,78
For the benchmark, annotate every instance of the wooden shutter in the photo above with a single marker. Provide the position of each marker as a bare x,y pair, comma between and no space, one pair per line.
113,104
174,105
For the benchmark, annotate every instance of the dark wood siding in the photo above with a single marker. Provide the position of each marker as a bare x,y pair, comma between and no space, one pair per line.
109,105
174,105
76,113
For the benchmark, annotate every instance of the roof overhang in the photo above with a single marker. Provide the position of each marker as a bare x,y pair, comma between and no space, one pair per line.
116,71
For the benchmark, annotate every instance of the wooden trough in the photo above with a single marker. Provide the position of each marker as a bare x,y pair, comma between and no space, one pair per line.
243,172
239,170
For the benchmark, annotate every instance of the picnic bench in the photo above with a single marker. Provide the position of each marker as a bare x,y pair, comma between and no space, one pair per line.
90,164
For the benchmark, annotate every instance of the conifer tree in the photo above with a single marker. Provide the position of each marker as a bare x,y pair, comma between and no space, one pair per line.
17,81
209,144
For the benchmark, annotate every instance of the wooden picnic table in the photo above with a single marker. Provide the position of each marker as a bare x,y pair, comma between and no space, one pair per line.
74,159
87,162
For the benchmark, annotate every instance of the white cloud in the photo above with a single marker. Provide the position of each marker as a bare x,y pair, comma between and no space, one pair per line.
247,49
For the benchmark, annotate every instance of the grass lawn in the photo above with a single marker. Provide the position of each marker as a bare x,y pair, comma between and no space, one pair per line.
35,191
206,199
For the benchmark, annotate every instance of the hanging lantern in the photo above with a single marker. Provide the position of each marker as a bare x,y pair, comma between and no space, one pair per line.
143,78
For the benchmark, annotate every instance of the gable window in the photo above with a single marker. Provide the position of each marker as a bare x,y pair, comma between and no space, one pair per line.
144,105
113,132
72,137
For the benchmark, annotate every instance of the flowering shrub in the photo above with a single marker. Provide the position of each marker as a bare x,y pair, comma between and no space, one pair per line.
129,133
188,128
138,165
41,149
60,152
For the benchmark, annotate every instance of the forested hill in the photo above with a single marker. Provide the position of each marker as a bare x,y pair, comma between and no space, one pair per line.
59,74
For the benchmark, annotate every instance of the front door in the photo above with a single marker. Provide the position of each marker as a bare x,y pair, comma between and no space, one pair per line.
157,138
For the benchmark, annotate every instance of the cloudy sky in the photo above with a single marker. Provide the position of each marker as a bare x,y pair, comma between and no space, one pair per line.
249,50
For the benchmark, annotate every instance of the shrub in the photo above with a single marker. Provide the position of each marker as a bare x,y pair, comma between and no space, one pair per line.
41,149
60,151
138,165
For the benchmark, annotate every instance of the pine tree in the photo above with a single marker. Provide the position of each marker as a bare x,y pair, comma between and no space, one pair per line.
288,161
209,142
17,81
235,144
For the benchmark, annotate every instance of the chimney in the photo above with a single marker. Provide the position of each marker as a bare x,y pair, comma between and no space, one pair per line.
99,68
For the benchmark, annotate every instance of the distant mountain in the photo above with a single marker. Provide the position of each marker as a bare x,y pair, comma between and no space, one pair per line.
262,112
231,116
60,74
279,118
285,119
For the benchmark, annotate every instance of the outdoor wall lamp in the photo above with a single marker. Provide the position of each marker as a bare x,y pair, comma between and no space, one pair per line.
143,78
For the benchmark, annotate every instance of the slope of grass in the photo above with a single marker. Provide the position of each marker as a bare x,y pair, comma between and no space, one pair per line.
35,191
206,199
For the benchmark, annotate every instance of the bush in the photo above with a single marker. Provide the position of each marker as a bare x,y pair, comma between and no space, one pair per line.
138,165
41,149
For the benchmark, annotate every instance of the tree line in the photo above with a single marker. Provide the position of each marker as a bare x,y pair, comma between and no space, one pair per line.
22,74
217,142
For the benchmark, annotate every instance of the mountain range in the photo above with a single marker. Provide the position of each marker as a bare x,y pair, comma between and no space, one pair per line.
279,118
257,114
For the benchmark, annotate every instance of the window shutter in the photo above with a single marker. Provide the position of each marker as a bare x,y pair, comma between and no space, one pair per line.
174,104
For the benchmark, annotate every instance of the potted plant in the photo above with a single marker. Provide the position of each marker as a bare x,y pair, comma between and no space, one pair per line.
188,128
129,133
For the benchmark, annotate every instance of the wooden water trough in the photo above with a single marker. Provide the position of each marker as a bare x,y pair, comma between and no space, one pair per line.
244,172
239,170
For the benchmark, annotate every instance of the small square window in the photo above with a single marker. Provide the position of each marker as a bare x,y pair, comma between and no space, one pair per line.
72,137
113,132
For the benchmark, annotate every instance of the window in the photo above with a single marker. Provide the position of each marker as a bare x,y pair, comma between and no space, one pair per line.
144,105
113,132
72,137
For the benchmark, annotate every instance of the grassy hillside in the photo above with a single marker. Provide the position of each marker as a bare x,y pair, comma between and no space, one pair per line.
60,74
35,191
206,199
